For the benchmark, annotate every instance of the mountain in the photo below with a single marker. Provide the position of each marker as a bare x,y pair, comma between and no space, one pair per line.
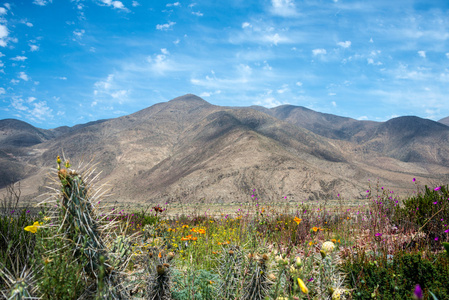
327,125
189,150
444,121
408,138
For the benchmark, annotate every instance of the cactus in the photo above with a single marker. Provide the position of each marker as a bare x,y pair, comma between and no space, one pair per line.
159,283
258,285
229,269
20,287
80,224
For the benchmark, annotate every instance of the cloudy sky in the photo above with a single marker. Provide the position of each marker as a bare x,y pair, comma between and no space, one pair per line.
65,62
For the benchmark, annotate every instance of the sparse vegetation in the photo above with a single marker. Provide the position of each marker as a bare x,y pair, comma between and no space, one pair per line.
77,247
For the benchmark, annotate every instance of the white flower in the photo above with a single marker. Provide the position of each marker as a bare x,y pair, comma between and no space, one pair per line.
328,247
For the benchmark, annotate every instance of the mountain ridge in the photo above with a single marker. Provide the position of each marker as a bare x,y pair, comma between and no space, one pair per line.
189,148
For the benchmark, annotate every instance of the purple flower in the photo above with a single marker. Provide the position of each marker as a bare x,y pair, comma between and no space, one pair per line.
367,191
414,179
418,292
437,188
436,202
378,234
436,239
446,231
310,279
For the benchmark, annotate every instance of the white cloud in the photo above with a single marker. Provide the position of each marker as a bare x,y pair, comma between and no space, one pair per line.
334,104
345,44
447,55
3,34
246,25
299,83
197,13
319,51
34,48
135,4
165,26
42,2
362,118
31,99
115,4
2,11
205,94
164,51
2,91
422,53
173,4
331,94
371,61
23,76
177,41
41,111
283,89
29,24
62,78
285,8
7,5
19,58
119,94
14,81
79,33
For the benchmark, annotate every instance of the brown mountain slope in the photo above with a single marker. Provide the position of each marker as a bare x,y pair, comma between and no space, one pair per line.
444,121
409,139
327,125
412,139
187,149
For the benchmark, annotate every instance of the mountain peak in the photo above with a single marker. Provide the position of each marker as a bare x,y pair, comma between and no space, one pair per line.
189,98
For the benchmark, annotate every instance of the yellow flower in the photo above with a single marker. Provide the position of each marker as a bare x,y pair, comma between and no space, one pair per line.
297,220
33,228
303,287
315,229
202,231
46,218
185,226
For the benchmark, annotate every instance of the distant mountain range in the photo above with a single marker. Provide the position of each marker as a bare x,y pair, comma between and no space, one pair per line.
189,150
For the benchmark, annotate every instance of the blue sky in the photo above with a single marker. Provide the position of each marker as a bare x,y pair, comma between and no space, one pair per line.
66,62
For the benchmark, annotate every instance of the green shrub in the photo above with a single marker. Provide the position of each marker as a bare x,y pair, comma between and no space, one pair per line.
59,275
197,285
396,278
427,211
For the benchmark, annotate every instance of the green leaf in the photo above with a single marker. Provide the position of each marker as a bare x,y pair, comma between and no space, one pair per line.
433,296
446,246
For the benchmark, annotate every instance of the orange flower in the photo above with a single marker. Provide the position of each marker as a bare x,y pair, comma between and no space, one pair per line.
218,243
333,240
202,231
297,220
193,238
160,254
315,229
185,239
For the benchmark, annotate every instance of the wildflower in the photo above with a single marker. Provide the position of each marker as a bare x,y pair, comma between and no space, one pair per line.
297,220
315,229
46,218
32,228
378,234
185,226
303,287
414,179
436,239
333,240
328,247
310,279
446,231
418,292
437,188
202,231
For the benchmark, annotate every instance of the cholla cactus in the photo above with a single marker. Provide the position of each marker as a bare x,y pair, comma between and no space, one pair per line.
20,287
229,269
258,284
78,221
327,278
159,283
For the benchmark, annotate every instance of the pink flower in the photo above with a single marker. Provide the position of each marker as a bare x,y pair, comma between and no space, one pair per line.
378,234
414,179
437,188
436,239
446,231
